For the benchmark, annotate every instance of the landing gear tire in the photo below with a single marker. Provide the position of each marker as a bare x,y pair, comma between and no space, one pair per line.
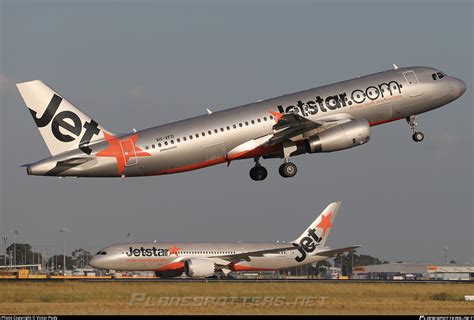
258,173
418,136
288,170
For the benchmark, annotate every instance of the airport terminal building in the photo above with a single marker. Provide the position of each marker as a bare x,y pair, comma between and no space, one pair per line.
408,271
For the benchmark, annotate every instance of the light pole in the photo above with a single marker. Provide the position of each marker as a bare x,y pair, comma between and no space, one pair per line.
64,250
5,238
15,233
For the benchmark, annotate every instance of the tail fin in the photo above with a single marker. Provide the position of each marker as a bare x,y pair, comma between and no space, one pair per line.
318,231
62,126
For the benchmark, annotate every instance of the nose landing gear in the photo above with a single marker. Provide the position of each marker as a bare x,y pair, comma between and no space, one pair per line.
417,135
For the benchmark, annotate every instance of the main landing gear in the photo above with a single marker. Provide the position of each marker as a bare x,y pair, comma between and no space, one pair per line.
286,170
258,172
417,135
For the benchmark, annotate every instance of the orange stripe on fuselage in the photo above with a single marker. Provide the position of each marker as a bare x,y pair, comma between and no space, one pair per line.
376,123
237,267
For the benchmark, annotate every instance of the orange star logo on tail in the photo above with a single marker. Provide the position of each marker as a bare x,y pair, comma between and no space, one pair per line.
122,150
325,223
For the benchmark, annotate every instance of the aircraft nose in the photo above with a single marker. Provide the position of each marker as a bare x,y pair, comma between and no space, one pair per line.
96,262
459,87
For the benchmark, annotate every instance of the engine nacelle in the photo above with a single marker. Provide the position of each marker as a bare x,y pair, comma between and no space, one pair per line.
340,137
199,268
169,273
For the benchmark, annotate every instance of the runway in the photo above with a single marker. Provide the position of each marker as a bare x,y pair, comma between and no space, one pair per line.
203,280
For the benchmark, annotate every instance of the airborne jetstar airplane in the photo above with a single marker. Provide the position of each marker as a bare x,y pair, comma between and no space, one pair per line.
207,259
325,119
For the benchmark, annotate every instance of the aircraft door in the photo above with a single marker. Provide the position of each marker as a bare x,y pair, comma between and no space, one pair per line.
128,152
413,84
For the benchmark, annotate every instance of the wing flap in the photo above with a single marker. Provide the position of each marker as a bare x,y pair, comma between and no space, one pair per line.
335,252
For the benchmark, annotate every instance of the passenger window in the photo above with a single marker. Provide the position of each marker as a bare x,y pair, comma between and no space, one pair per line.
222,129
258,120
153,146
253,121
203,134
166,143
146,148
440,75
234,126
215,130
159,145
228,128
246,123
209,132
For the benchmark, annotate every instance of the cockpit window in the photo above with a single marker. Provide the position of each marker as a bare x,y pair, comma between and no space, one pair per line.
438,75
102,253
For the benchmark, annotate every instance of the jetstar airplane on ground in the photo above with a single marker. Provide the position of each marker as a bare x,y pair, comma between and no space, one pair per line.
207,259
325,119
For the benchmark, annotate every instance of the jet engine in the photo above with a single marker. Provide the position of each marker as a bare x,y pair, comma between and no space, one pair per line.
199,268
340,137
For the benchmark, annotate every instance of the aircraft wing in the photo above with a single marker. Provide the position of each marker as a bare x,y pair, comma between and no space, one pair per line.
335,252
246,256
291,125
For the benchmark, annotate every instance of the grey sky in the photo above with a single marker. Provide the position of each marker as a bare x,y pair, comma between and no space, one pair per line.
148,63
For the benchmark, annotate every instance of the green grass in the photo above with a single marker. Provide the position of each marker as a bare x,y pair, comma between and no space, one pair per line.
73,297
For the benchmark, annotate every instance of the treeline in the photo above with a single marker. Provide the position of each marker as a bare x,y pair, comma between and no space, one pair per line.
22,253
